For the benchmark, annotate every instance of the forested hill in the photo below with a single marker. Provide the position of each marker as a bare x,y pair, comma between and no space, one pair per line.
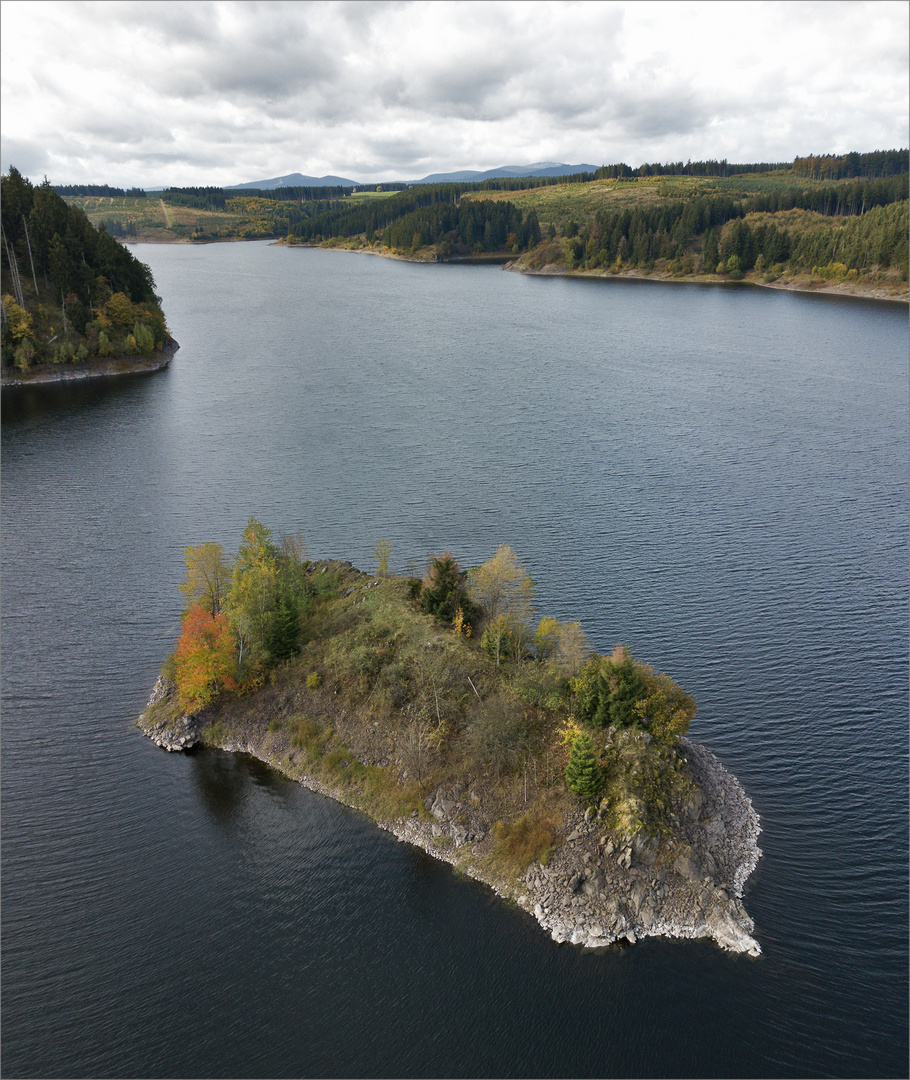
71,293
820,220
433,215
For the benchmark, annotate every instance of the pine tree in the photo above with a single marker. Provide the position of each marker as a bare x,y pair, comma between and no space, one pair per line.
583,775
283,630
443,587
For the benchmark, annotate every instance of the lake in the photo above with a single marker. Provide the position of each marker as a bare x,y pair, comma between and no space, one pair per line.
716,477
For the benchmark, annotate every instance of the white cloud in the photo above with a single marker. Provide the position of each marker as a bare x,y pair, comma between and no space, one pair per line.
226,92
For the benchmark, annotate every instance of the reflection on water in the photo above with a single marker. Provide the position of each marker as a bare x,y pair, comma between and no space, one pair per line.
24,403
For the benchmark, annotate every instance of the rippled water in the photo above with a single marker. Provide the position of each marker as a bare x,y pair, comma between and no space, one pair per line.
715,477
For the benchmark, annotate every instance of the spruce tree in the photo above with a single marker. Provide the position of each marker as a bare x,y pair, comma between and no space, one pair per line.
583,775
283,630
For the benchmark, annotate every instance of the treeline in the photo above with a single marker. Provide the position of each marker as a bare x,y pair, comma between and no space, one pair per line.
711,167
468,228
216,198
70,291
834,200
99,190
880,163
199,198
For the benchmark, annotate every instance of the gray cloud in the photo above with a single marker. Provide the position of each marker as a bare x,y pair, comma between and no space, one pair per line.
226,92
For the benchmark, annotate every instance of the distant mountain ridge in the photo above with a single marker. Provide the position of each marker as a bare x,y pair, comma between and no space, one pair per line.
295,180
539,168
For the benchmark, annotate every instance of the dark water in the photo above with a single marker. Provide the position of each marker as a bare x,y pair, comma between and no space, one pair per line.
715,477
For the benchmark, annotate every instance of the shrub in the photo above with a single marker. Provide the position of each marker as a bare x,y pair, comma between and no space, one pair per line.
24,355
313,680
520,842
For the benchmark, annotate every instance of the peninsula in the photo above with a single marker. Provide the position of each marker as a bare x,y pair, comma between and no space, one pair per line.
445,711
75,302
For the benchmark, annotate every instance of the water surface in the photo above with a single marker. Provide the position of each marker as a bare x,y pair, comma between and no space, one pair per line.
715,477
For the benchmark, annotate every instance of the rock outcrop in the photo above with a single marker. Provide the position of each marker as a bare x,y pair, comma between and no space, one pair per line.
167,729
598,887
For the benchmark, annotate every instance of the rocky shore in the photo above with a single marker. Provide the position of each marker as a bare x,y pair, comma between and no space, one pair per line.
597,887
112,365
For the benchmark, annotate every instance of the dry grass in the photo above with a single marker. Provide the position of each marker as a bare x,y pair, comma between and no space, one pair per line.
523,840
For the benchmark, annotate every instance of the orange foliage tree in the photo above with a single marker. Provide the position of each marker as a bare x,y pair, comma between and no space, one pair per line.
205,658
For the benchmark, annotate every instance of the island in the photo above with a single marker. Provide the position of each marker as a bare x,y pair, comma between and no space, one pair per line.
75,302
445,710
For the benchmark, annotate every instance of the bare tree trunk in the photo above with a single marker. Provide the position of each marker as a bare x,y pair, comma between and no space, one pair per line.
30,256
14,272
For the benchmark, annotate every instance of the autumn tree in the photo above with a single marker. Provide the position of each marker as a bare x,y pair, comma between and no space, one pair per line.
253,592
205,658
208,576
564,645
666,710
382,553
502,588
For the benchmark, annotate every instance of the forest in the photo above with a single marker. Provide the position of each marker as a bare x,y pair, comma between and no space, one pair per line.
827,218
862,225
821,219
70,292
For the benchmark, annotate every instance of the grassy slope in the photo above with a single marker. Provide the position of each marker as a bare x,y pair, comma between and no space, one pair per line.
163,223
385,706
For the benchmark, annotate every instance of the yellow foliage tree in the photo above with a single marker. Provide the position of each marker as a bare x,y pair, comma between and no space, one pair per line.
504,590
18,319
119,309
208,576
666,710
382,553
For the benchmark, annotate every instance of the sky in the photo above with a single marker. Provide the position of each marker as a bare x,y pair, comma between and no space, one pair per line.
154,94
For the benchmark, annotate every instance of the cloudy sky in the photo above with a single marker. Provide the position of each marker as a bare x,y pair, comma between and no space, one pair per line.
150,94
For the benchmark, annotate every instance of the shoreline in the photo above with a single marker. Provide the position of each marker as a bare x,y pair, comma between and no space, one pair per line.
596,889
49,374
799,283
